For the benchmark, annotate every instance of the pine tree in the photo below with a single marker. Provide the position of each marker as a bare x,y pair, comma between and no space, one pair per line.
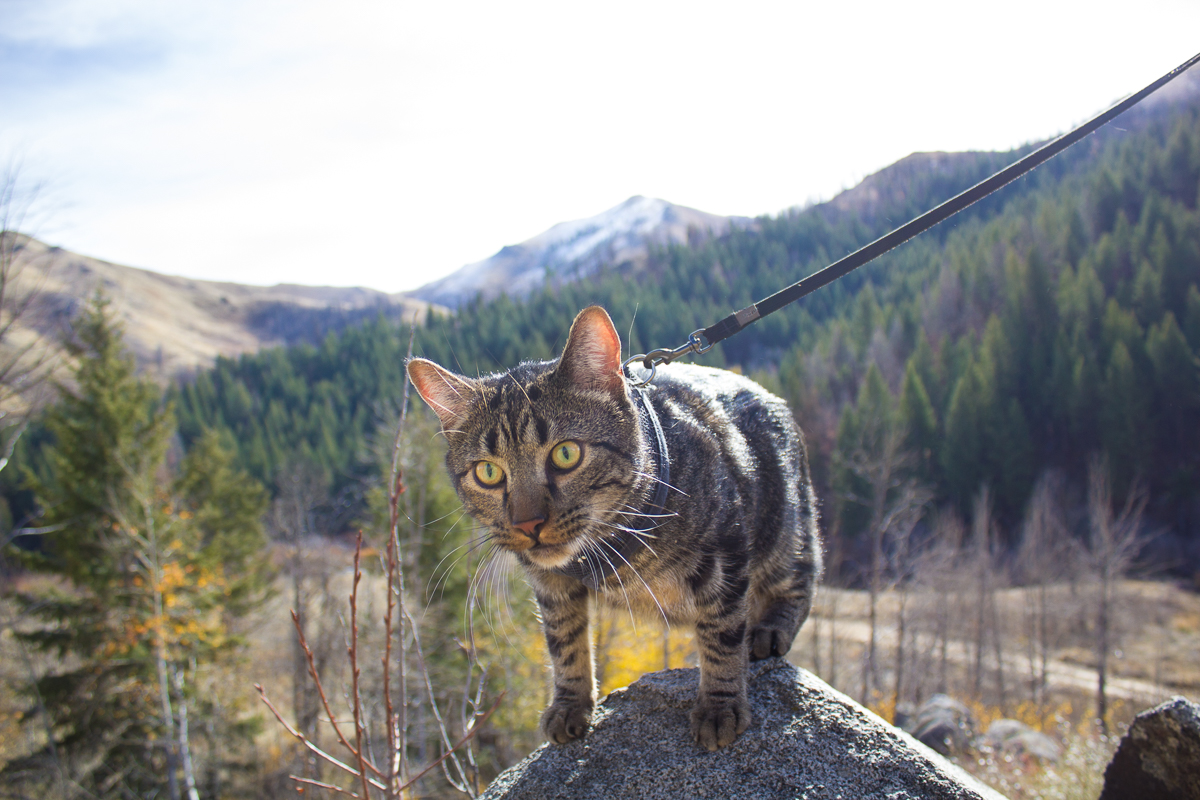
920,422
153,569
1124,410
1177,403
962,451
1191,318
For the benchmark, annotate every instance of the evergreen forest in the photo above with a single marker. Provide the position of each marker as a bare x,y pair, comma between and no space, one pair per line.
1054,322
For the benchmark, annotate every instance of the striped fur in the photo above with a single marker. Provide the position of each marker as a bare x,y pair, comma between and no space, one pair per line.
735,554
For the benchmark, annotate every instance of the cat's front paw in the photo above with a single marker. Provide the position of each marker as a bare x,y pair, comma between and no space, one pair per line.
717,721
565,720
767,641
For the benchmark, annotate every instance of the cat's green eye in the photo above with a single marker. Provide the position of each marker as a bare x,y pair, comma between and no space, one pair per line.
565,455
488,474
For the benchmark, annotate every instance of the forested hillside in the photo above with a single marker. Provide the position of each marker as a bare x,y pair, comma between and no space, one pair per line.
1057,320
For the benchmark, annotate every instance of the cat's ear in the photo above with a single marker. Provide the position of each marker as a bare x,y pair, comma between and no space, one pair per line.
592,357
449,395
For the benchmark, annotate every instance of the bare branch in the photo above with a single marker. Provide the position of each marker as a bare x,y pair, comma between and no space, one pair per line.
320,785
468,737
300,737
312,670
356,698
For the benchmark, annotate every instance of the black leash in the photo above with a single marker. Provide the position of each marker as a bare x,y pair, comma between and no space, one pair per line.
738,320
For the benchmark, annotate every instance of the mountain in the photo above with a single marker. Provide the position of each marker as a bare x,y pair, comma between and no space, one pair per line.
568,251
177,325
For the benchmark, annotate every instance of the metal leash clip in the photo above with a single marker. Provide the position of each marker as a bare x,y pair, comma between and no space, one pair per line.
665,355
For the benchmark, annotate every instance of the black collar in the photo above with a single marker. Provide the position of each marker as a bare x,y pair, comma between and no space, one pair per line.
591,569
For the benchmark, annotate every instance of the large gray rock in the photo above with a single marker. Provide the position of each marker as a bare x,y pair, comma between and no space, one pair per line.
944,724
1159,758
1016,738
806,741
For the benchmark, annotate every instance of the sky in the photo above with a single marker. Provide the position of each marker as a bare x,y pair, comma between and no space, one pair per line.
386,144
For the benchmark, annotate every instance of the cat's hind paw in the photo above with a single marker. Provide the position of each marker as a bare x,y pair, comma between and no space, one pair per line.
717,721
565,720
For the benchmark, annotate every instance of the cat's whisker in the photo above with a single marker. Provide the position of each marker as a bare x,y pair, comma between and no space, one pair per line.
590,547
667,515
642,536
481,599
499,611
483,588
467,548
445,433
657,479
439,581
645,532
638,575
447,515
472,542
616,525
504,563
625,593
483,592
488,587
594,546
469,545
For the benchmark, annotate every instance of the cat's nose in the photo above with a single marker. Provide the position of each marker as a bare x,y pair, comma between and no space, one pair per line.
530,527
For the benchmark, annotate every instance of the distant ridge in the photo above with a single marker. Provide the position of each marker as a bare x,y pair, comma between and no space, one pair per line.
572,250
176,325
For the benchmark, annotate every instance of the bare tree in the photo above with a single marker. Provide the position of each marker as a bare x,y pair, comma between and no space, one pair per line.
905,512
833,567
1114,542
24,361
941,563
880,462
984,540
296,521
1043,544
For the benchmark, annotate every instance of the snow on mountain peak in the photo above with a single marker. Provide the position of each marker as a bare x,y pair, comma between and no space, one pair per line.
576,249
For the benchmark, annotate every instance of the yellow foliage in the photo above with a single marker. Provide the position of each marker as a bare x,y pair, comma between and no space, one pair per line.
625,650
884,706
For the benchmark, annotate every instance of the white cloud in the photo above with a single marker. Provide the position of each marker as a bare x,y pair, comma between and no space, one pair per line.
385,144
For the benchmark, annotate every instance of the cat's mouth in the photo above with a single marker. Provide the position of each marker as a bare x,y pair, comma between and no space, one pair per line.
548,555
547,547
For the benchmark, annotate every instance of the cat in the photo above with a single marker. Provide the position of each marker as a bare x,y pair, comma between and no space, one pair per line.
688,500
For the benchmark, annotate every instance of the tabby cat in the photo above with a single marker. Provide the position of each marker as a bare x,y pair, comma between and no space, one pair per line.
688,499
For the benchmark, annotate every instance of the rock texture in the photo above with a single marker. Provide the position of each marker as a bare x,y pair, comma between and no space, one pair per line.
1159,757
806,741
